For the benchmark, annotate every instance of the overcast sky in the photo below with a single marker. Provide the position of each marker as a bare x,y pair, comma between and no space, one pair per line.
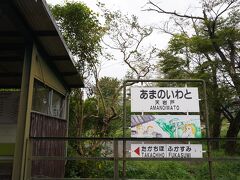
116,69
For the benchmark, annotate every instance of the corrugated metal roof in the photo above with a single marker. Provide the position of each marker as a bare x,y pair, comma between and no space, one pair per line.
33,15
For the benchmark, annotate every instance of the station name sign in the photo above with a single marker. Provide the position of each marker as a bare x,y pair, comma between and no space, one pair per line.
164,99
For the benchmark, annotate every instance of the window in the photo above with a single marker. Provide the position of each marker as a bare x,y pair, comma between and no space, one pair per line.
48,101
58,105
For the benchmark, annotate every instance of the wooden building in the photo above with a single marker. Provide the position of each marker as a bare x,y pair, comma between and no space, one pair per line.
36,76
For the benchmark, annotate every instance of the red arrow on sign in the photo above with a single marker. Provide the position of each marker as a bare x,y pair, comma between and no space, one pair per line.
137,151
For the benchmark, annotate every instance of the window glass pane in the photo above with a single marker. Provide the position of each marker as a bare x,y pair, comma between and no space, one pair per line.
41,100
58,105
48,101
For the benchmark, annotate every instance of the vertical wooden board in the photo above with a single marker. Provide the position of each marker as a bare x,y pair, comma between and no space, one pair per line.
46,126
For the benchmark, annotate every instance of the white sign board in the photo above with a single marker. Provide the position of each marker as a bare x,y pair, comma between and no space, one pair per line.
164,99
166,150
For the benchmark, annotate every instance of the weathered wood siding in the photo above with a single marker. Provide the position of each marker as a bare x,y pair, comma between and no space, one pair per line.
45,126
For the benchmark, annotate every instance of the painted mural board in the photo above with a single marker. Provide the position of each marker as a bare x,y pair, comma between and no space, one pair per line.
166,150
165,126
164,99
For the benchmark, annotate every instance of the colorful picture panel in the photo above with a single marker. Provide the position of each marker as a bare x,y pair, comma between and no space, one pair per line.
166,126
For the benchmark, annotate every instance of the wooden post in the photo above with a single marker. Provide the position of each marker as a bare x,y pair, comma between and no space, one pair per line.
28,160
124,130
23,114
115,149
210,168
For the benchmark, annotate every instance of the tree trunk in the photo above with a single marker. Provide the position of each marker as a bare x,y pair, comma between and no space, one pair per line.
233,130
216,131
216,105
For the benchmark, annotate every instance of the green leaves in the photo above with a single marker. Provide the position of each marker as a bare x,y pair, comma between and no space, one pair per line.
178,42
81,30
109,87
200,45
195,44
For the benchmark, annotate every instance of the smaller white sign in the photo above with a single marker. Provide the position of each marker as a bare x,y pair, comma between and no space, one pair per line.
166,150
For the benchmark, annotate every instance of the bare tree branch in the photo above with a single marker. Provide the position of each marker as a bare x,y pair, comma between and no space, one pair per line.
162,11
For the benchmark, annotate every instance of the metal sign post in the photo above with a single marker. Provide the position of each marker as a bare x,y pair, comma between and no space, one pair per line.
167,92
